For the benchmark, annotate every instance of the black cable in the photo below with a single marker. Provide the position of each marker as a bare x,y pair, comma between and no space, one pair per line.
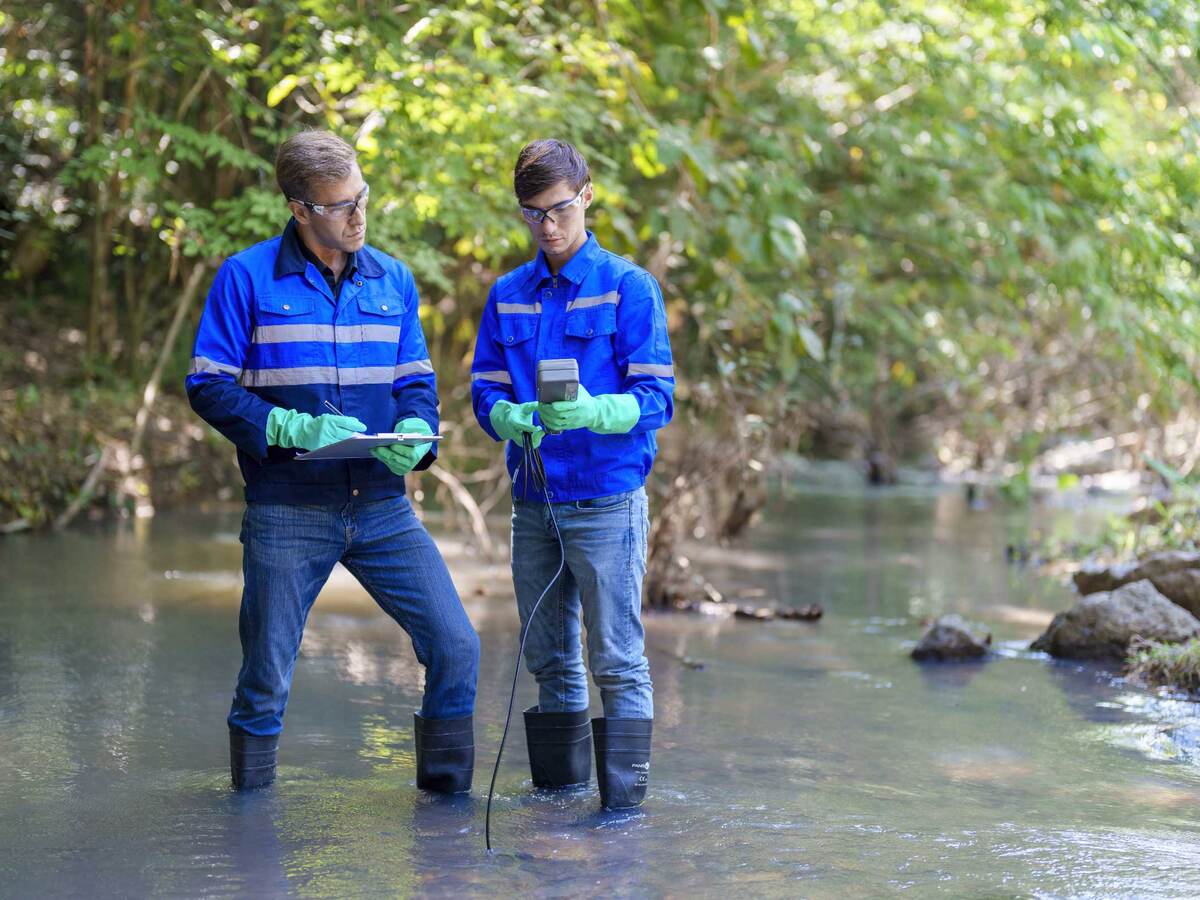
533,464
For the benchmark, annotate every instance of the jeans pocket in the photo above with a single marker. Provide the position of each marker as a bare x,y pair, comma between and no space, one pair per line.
600,504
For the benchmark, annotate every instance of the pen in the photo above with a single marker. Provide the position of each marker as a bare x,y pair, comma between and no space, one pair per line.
334,408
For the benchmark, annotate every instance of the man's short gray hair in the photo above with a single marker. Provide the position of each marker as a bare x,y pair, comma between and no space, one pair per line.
310,158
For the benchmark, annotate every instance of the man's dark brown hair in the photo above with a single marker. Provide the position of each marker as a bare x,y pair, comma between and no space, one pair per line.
310,158
544,163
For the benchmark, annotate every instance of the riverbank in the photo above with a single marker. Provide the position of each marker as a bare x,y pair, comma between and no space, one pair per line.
69,437
1138,577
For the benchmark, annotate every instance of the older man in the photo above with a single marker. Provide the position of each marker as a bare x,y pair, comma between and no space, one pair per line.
311,320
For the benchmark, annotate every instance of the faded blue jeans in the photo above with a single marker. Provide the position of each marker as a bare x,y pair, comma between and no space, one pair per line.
289,552
605,541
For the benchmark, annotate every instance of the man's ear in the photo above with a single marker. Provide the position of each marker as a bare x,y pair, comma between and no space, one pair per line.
587,196
299,211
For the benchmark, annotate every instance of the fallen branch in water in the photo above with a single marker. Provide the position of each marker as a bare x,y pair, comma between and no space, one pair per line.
808,613
464,499
85,491
131,485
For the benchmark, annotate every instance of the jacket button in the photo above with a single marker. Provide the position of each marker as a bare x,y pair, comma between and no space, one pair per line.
384,307
285,306
589,332
355,492
358,284
509,338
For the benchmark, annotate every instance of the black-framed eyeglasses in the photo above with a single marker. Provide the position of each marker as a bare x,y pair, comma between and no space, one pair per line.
534,216
343,210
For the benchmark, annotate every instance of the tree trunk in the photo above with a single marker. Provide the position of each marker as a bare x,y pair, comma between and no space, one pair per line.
134,302
100,299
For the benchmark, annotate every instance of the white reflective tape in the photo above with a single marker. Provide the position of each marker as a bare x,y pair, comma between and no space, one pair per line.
342,334
501,377
518,308
612,298
367,375
384,334
420,367
204,365
287,334
647,369
318,375
297,375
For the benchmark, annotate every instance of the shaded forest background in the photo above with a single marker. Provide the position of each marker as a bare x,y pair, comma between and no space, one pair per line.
952,233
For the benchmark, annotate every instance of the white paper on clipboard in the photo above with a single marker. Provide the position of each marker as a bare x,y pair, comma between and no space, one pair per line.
361,445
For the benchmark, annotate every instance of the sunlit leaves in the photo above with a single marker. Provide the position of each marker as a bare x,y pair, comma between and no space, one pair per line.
810,179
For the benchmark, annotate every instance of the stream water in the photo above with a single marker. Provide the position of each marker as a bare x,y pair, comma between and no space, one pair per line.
791,759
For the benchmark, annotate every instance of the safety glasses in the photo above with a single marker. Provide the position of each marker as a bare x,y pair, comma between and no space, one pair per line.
534,216
343,210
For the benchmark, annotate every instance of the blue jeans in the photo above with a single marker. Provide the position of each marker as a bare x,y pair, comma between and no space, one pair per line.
289,552
605,541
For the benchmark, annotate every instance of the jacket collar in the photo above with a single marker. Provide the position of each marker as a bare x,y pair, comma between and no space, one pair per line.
290,257
576,268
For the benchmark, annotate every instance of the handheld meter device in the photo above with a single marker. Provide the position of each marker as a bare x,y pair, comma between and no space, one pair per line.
557,379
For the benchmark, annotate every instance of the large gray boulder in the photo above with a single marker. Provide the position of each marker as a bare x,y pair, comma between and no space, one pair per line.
1101,625
949,639
1175,573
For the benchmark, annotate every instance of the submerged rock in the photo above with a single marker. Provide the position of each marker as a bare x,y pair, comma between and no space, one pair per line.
950,639
1175,573
808,613
758,613
1102,625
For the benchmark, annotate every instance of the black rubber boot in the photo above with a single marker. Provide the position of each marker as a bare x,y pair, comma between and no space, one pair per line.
622,760
445,753
560,747
251,759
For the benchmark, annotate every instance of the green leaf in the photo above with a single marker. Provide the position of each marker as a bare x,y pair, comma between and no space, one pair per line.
811,343
282,89
787,239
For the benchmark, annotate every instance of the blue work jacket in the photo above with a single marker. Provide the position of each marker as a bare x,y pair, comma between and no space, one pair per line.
608,314
273,334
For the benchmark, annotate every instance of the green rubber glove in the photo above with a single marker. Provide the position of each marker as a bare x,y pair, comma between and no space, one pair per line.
514,420
288,428
401,458
602,414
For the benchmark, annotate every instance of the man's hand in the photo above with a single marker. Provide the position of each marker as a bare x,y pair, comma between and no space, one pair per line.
603,414
512,421
401,458
288,428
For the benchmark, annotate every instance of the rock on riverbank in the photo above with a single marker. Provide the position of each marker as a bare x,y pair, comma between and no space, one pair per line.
1174,573
1102,625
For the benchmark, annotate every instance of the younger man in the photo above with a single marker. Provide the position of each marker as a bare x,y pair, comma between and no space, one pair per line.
575,299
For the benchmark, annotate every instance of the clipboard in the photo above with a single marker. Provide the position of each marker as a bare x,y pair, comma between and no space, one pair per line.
360,445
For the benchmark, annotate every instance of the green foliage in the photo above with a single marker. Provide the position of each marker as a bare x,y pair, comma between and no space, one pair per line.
876,213
1170,523
1175,666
